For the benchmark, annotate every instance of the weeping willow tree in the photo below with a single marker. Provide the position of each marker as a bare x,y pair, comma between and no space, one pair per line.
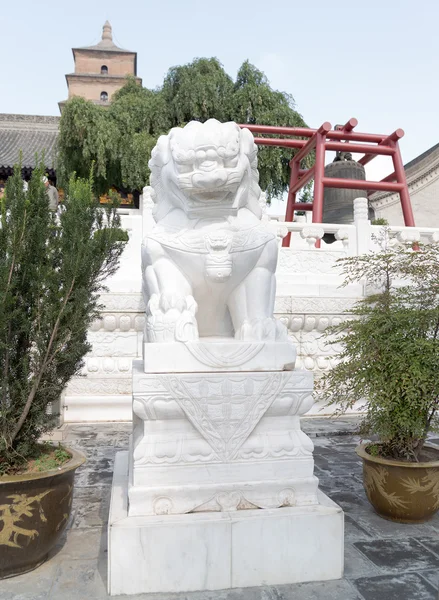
254,102
118,139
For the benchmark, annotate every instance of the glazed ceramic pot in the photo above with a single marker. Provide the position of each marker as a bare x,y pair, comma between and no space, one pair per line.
400,491
34,511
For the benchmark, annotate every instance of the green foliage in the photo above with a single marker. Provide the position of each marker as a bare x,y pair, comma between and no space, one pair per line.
306,195
51,273
255,102
198,91
390,356
118,139
51,458
380,221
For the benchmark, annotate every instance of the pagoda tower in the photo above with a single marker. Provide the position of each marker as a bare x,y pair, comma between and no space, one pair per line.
100,70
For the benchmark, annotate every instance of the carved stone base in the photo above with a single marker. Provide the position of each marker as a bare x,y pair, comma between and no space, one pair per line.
221,354
220,441
220,550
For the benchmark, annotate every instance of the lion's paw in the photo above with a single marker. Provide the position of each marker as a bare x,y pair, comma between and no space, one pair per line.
269,330
170,318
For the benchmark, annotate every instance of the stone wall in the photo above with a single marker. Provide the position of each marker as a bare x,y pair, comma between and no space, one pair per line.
425,204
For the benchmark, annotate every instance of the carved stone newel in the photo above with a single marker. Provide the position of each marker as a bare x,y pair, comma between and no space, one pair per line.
216,399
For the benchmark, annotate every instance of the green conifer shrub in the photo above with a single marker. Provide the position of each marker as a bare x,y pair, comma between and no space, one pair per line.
390,348
52,269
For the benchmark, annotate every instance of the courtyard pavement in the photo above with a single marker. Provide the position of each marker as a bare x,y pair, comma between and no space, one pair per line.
384,560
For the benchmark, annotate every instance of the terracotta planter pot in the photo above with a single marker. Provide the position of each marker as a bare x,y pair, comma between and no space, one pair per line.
34,511
399,491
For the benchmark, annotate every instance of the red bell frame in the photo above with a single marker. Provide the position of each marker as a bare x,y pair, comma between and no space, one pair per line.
343,139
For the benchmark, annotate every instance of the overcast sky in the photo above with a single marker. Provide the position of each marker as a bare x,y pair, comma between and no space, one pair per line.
376,60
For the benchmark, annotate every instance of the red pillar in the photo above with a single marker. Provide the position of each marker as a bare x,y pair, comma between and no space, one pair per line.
289,216
409,220
319,173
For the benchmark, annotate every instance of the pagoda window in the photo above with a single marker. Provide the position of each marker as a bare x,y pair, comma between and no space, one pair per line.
104,97
104,70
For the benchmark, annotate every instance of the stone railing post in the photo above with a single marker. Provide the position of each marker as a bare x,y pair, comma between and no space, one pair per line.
362,224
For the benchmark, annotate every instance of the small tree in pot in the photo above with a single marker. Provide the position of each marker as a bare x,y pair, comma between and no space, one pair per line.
52,269
390,363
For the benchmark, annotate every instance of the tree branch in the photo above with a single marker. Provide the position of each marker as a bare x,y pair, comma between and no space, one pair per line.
42,368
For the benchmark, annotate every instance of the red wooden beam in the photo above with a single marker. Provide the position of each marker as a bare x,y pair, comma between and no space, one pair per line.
348,126
311,143
300,183
319,172
281,142
393,137
273,130
317,140
294,179
391,177
409,220
289,213
342,146
358,184
343,139
303,206
305,132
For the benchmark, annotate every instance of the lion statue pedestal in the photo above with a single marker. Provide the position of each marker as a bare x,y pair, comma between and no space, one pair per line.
217,490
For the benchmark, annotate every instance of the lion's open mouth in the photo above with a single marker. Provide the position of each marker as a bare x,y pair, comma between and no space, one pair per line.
208,196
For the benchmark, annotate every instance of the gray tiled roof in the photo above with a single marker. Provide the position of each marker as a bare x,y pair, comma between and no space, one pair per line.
421,157
29,134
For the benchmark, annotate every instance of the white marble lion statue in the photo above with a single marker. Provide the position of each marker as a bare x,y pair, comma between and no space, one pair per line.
209,263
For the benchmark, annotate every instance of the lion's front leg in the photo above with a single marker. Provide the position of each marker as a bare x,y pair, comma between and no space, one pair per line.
251,304
170,306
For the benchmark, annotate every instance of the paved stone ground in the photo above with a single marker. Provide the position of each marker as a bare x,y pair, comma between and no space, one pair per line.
384,560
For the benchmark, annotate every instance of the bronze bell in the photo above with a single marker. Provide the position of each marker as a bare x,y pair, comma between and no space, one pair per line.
338,205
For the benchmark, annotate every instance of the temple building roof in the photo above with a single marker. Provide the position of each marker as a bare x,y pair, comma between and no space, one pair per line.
29,134
419,159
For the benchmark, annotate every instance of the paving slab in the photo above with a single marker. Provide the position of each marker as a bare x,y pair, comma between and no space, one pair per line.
350,501
431,543
357,564
90,507
380,528
396,556
353,531
322,590
410,586
432,577
35,585
84,543
78,579
338,426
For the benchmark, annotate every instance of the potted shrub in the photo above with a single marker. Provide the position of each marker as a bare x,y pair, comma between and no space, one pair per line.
52,267
390,363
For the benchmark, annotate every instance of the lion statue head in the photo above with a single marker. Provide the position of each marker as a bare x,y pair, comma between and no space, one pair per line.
205,169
